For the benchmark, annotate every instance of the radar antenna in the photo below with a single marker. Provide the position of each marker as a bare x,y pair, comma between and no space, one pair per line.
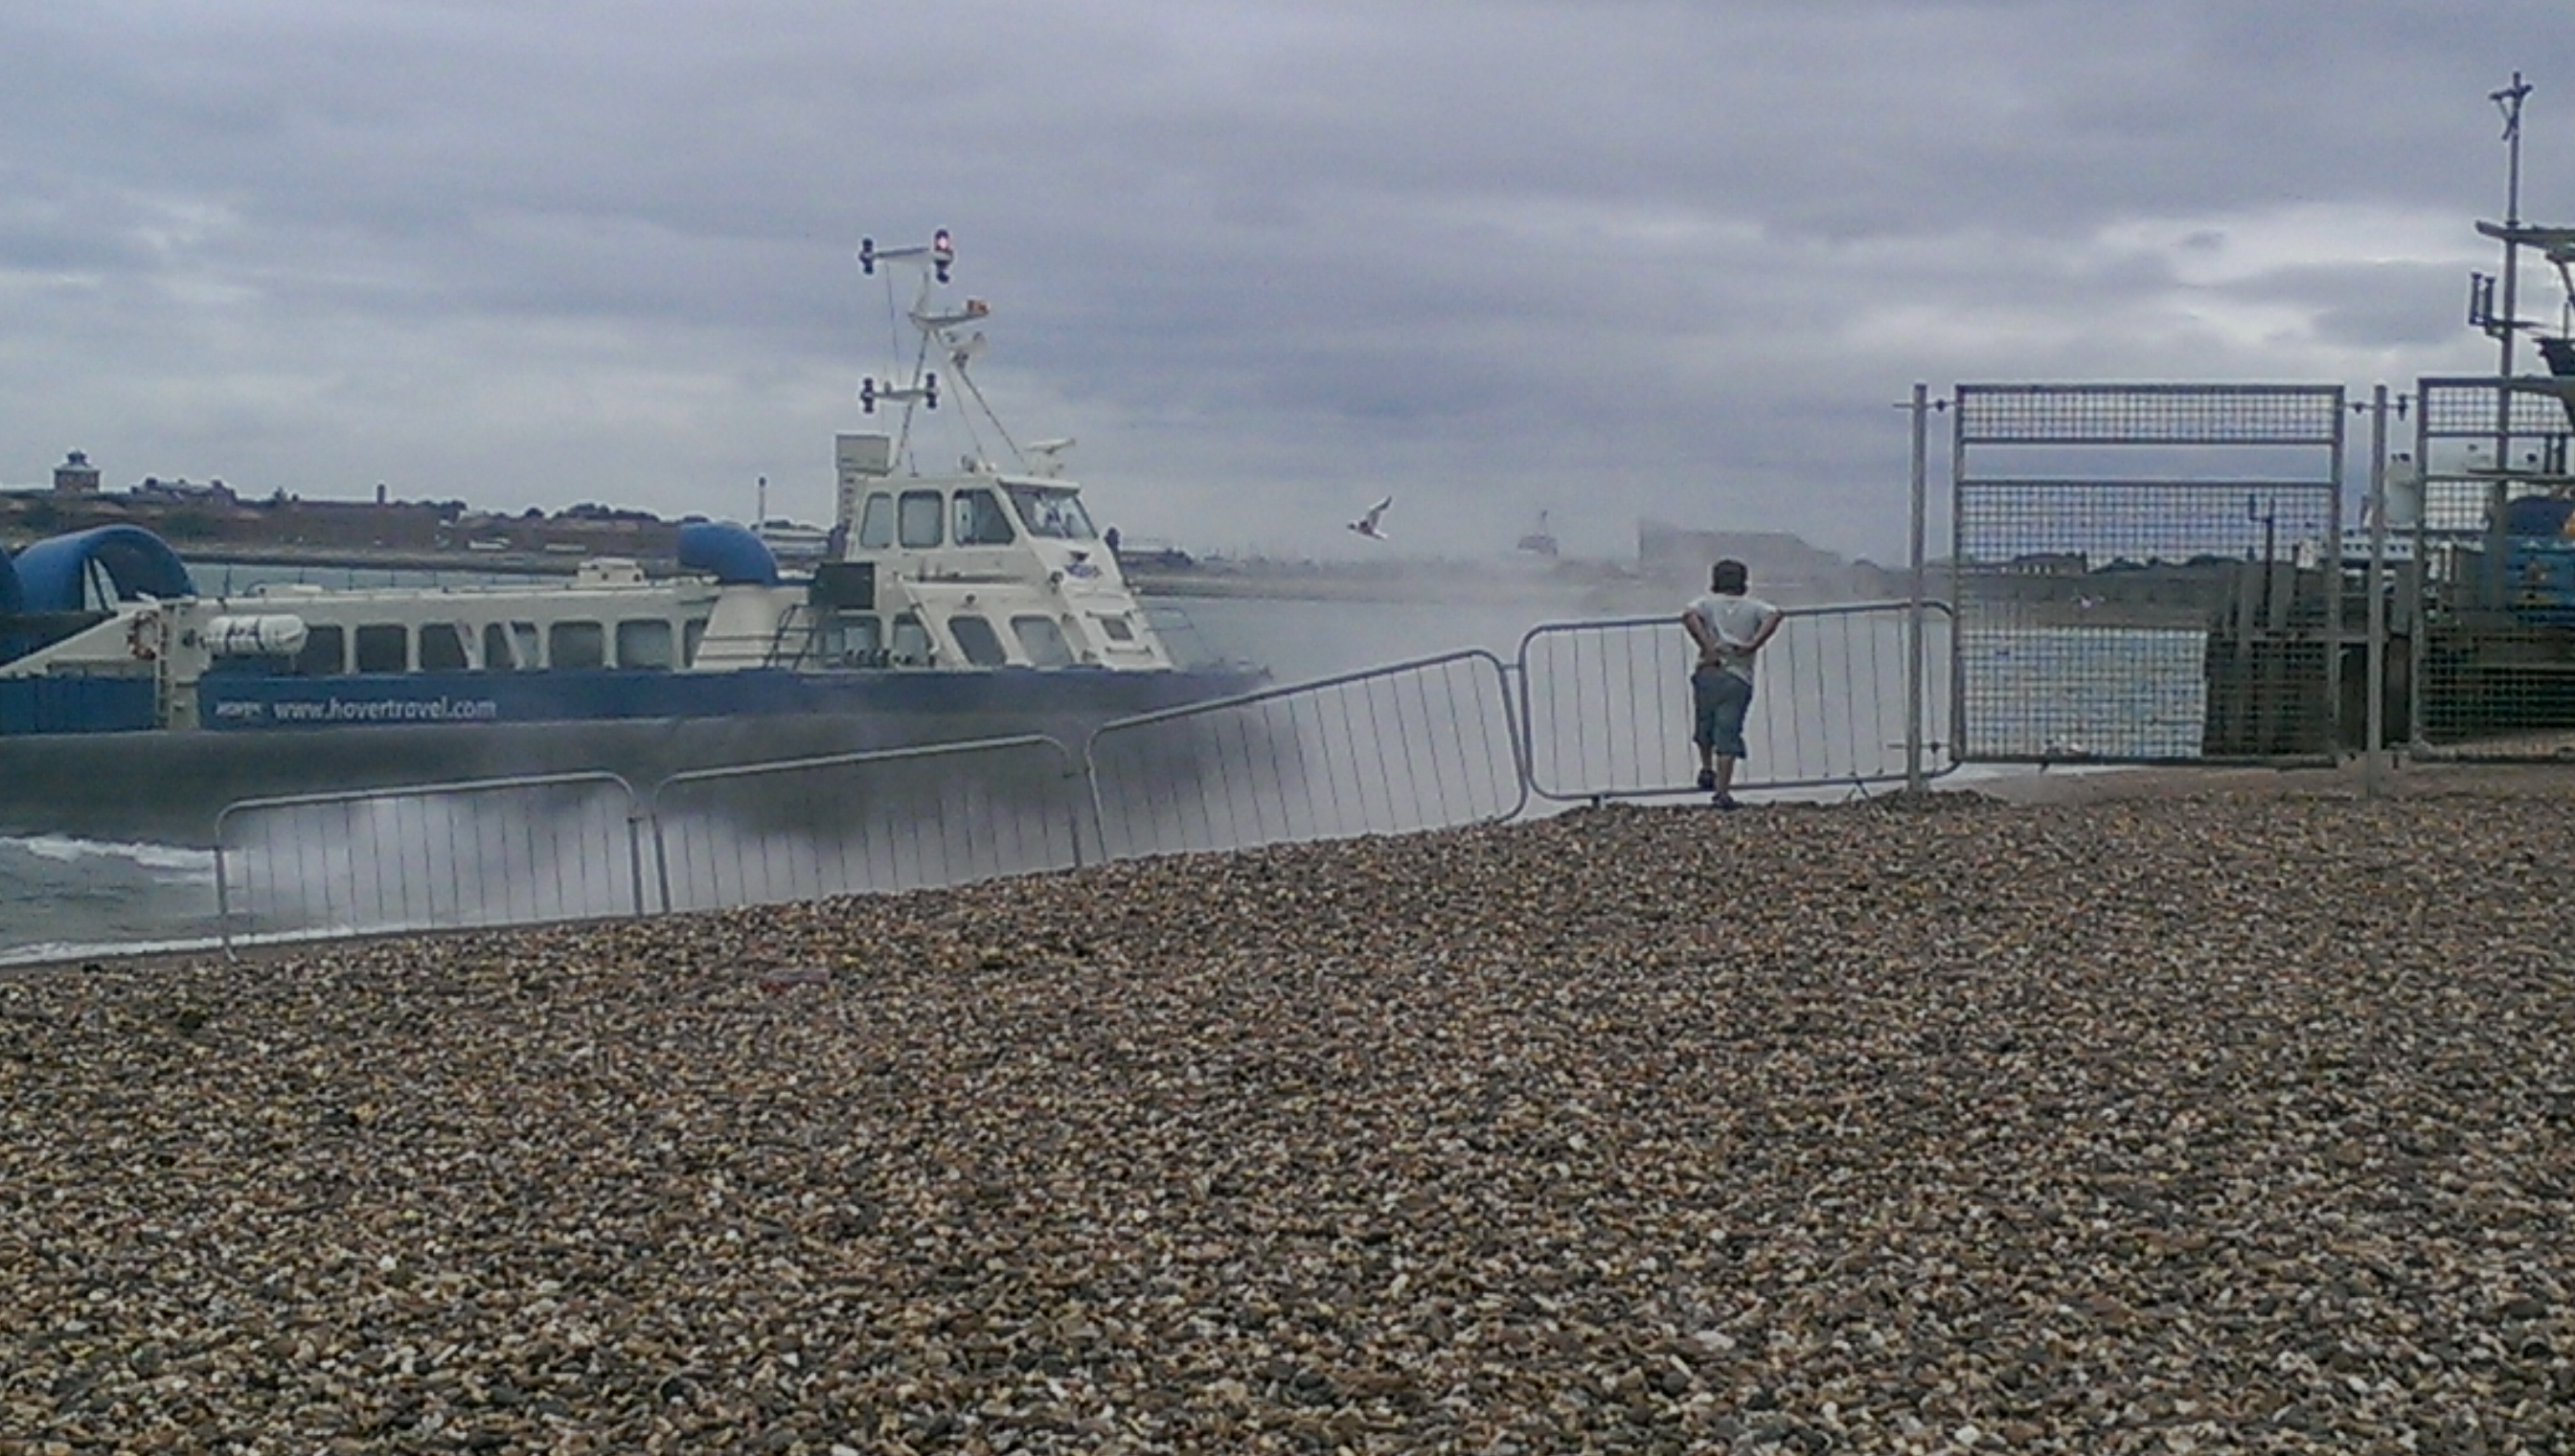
934,260
943,329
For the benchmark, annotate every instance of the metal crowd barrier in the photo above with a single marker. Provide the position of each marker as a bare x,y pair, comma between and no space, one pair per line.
891,819
1588,711
1428,744
494,852
1607,703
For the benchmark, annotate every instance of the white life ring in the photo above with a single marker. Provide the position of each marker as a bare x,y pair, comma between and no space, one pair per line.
139,636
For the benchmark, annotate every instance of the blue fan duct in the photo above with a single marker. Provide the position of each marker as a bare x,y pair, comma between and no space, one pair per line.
728,553
2536,516
52,573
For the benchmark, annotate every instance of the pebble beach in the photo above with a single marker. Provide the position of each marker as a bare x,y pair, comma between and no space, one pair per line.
2200,1122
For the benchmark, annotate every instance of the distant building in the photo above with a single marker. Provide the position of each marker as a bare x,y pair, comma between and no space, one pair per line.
2048,564
76,476
1783,566
183,488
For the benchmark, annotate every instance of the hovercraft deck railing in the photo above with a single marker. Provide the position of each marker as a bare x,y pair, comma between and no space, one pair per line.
1585,711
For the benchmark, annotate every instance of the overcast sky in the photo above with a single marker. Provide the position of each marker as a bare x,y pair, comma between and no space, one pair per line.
1266,260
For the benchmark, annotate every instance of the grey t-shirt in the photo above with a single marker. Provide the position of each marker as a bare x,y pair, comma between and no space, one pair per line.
1733,621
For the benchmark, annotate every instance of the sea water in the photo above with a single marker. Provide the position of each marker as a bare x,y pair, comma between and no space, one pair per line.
62,898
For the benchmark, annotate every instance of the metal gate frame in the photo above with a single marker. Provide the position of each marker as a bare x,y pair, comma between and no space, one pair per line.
415,900
1398,778
1645,660
2461,517
2275,419
981,854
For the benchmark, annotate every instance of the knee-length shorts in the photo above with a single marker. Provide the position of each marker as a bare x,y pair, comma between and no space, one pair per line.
1719,702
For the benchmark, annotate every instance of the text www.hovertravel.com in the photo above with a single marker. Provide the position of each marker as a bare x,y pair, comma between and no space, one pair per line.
431,710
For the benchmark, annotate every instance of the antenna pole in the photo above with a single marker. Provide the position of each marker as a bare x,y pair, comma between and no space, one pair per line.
2508,101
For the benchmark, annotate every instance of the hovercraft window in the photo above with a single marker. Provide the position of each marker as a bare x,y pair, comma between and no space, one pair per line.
919,526
853,640
1043,641
325,652
577,645
692,634
384,647
910,645
643,642
442,647
509,647
875,524
1116,629
977,640
1052,511
981,519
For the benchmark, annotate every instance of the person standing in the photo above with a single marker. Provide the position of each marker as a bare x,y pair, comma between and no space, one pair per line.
1729,629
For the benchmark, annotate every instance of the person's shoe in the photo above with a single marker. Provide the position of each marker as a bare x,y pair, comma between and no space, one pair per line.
1725,800
1707,778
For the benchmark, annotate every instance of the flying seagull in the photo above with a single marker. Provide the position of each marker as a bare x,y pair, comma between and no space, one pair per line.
1367,525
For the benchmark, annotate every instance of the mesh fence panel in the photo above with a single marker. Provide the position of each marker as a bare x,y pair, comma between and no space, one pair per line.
2500,693
2466,408
2149,415
2496,656
2109,618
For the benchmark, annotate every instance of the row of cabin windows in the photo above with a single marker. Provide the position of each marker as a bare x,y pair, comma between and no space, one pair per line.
921,520
642,644
861,639
913,519
855,639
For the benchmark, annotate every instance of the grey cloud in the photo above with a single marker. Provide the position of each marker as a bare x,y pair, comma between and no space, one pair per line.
1663,258
2383,306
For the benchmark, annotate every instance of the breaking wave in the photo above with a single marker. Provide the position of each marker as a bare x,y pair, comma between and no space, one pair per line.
62,897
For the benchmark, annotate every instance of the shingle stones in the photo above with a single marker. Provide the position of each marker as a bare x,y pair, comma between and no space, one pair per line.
2153,1127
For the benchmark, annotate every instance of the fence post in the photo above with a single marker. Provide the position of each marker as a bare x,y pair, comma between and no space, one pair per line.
1959,725
635,819
1089,795
223,888
1913,666
2374,747
2416,611
2335,726
1518,718
661,845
